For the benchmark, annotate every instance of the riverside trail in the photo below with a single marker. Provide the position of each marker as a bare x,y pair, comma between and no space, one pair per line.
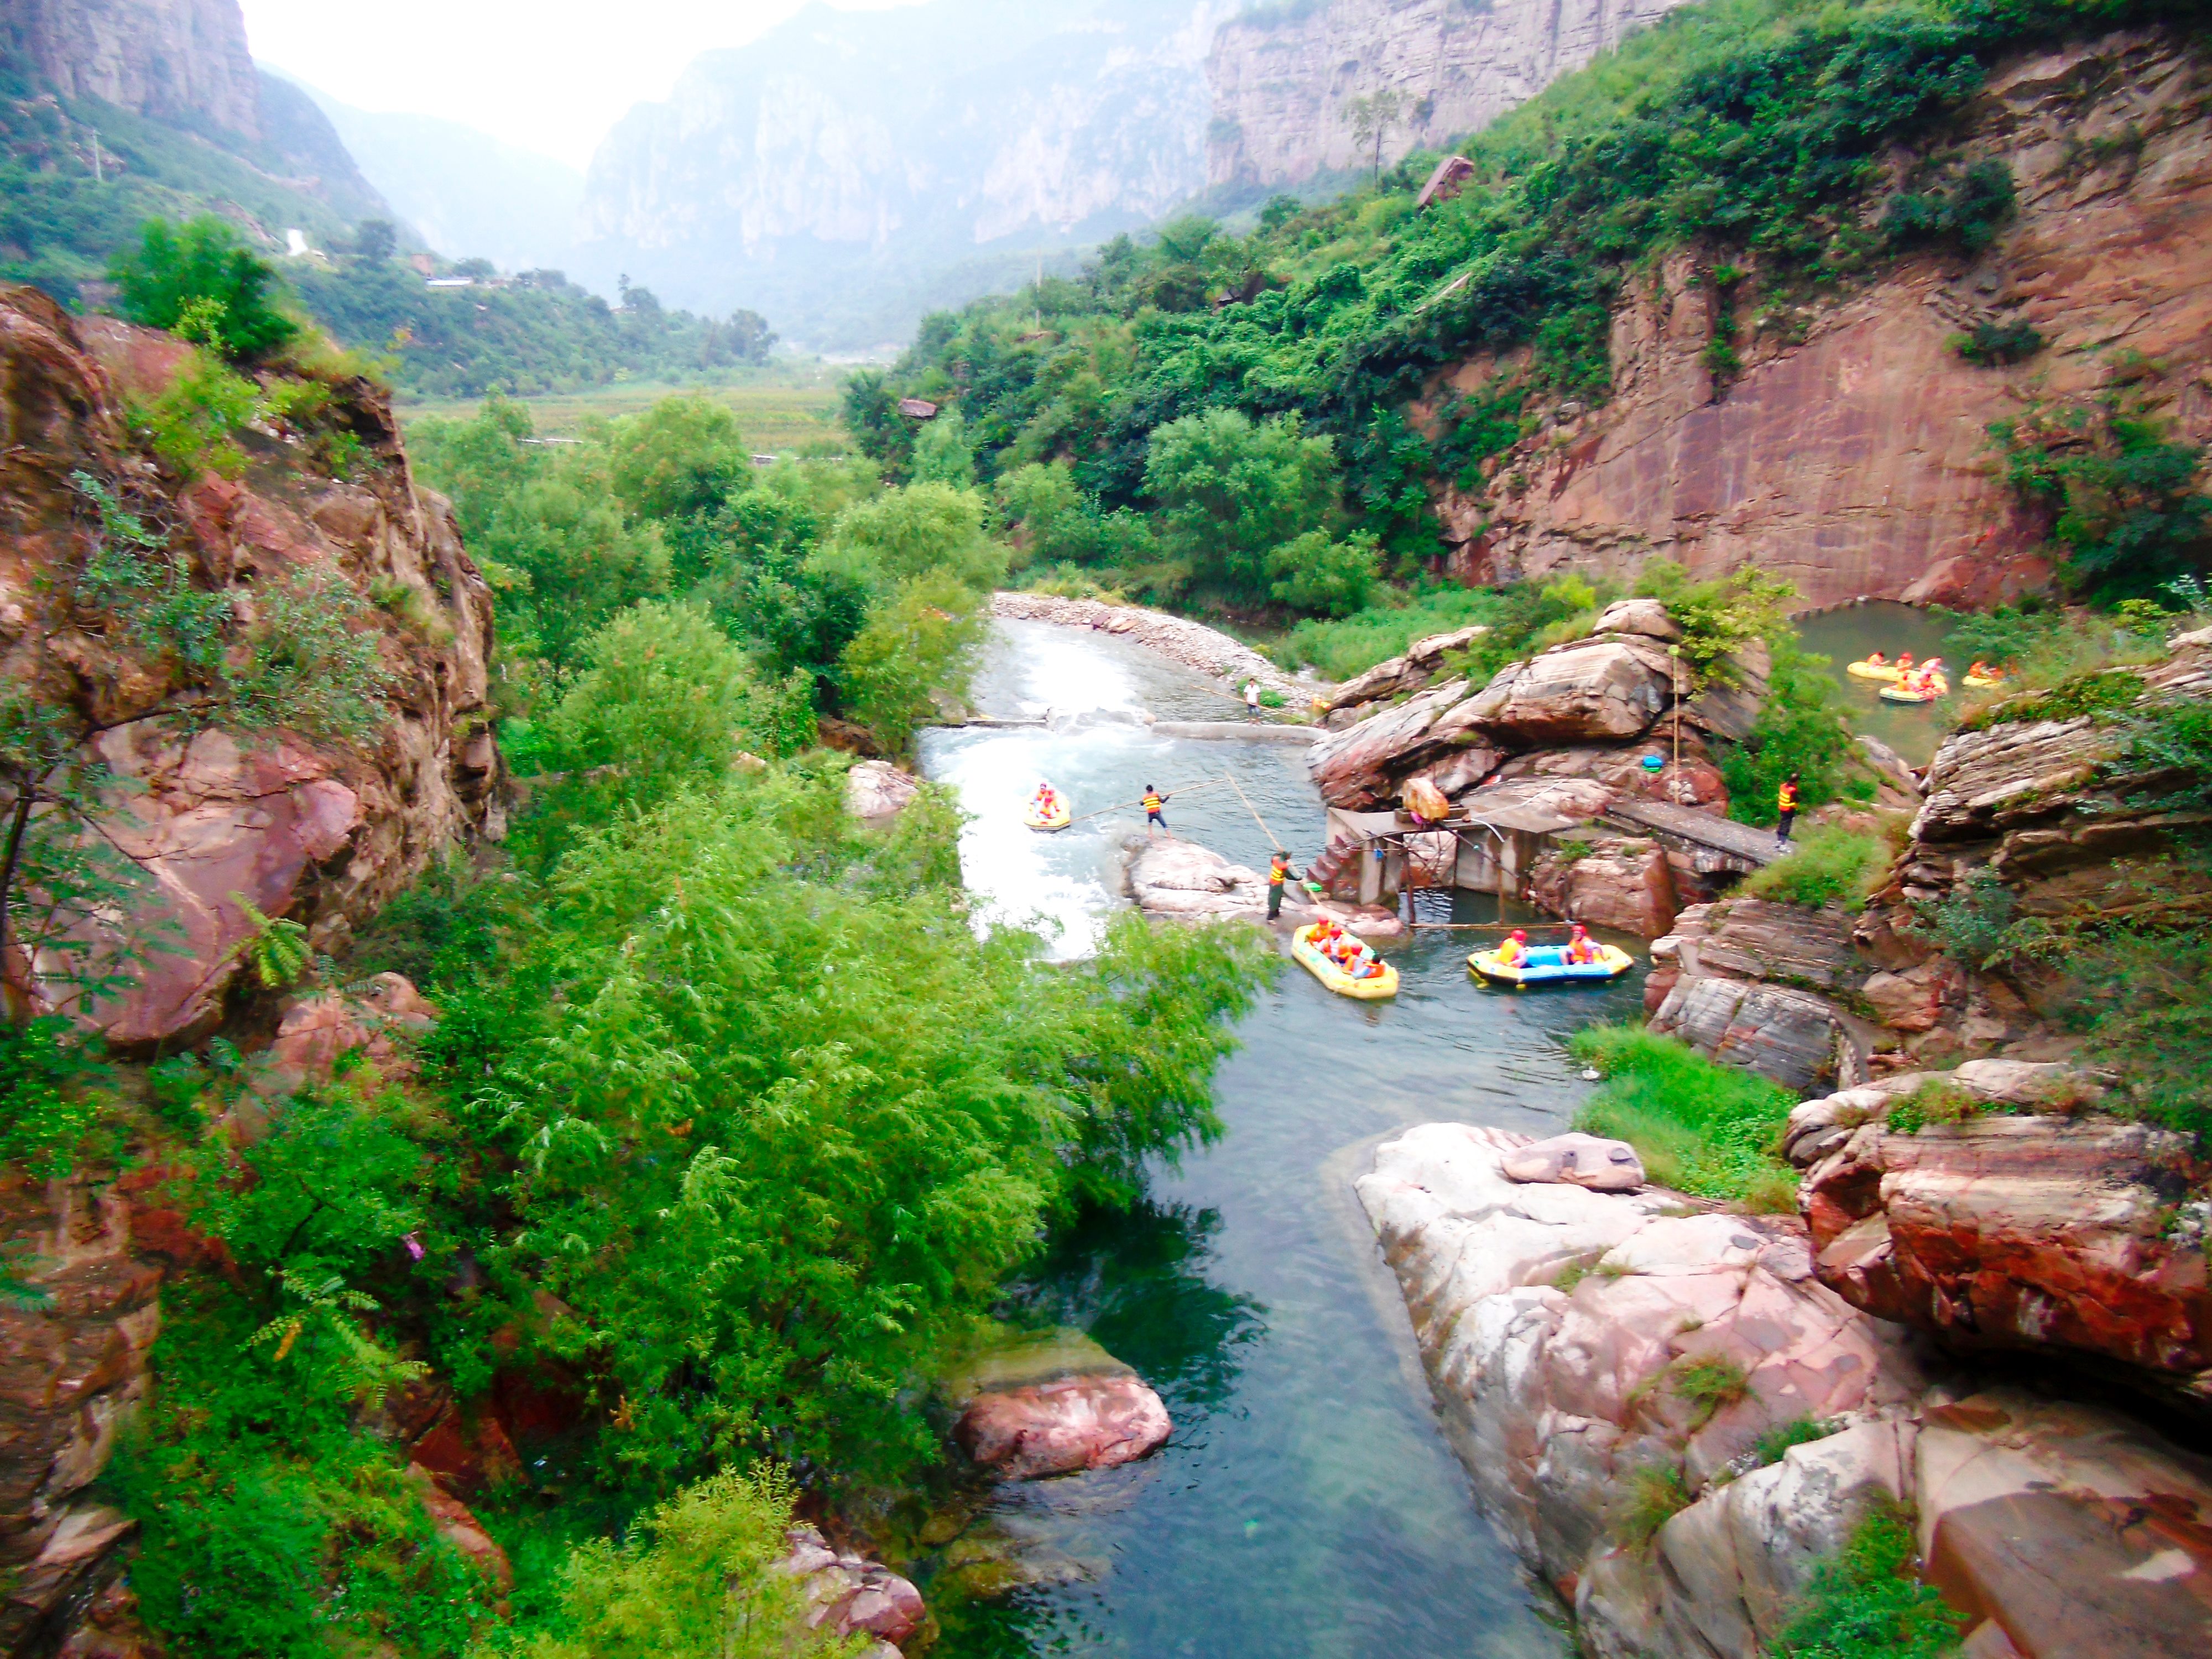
1307,1502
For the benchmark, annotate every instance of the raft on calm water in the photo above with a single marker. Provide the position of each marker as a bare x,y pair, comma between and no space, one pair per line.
1544,964
1364,990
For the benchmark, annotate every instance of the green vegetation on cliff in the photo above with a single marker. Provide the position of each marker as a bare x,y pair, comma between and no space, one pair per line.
1701,1128
1754,129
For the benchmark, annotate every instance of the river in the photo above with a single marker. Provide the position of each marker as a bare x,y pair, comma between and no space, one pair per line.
1307,1504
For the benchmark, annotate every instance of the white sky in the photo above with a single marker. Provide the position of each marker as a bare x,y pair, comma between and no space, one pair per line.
550,75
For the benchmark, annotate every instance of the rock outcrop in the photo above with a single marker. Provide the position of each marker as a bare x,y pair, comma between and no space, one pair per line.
1393,677
1182,879
876,791
1281,77
72,1367
324,835
845,1594
180,61
1051,1402
1994,1230
1849,453
1606,1365
1179,639
1622,882
1770,986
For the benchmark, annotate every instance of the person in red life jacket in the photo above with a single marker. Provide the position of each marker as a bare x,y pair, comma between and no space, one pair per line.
1785,802
1580,949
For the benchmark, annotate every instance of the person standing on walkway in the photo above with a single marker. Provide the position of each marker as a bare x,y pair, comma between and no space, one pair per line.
1785,799
1251,700
1278,872
1153,801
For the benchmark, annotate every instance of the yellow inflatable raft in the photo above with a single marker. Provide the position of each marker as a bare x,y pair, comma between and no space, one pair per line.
1983,682
1546,964
1875,671
1364,990
1914,694
1058,819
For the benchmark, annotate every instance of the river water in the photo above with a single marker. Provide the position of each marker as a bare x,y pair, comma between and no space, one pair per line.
1307,1504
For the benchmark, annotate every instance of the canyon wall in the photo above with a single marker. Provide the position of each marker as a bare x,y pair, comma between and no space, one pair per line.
1281,77
836,172
173,60
1850,451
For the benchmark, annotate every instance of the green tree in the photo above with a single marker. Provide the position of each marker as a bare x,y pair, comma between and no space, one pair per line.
197,279
918,641
924,529
681,458
941,453
563,533
1232,490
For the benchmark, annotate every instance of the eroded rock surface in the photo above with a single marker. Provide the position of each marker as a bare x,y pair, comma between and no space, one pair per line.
846,1594
876,792
1060,1426
1181,878
1622,882
1578,1160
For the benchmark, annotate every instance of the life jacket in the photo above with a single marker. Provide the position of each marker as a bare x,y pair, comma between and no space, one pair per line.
1153,803
1275,874
1509,952
1785,797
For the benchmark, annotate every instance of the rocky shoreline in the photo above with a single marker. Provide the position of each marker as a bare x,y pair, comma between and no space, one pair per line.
1176,638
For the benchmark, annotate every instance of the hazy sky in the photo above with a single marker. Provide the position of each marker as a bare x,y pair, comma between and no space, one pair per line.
549,75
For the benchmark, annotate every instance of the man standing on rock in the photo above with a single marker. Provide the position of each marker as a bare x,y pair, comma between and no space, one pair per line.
1153,801
1785,801
1278,872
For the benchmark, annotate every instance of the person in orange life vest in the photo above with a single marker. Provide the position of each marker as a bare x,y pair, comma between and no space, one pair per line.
1982,670
1153,801
1580,949
1904,661
1278,872
1875,659
1785,803
1372,970
1514,949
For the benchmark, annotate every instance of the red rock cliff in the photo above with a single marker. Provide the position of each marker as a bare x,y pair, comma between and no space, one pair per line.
326,836
1850,451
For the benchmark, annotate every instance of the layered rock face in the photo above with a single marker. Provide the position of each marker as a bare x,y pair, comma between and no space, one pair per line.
1280,77
1583,1346
1850,453
1999,1230
326,836
174,60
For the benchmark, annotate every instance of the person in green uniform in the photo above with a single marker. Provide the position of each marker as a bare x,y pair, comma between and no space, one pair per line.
1278,872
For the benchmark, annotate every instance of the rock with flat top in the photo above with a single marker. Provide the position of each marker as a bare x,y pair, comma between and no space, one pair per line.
1181,878
1621,882
1646,617
1358,767
1598,691
1579,1160
876,791
1088,1421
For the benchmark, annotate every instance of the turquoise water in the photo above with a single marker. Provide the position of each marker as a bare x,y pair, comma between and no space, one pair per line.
1307,1504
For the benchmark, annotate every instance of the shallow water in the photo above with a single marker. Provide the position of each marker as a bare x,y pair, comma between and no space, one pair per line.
1307,1504
1847,633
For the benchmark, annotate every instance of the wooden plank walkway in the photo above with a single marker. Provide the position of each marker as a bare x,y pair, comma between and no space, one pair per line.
1707,829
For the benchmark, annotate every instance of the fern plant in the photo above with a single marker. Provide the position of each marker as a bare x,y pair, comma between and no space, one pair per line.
276,951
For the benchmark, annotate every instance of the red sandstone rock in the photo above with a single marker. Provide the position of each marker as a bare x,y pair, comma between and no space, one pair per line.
458,1525
323,838
1591,691
1623,882
315,1031
1057,1427
2022,1232
848,1594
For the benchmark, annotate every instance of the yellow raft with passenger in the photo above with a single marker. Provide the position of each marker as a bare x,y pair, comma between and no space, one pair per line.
1057,818
1543,964
1374,989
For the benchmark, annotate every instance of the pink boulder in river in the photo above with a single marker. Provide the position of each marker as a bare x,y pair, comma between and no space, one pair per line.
1060,1426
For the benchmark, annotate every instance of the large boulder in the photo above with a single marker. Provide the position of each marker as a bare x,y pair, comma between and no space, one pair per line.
846,1594
1595,690
2061,1530
876,792
1181,878
2022,1232
1567,1332
1578,1160
1359,767
1052,1403
1622,882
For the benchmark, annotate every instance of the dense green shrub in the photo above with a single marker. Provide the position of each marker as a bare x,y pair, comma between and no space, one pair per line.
198,281
1339,649
1701,1128
1996,344
1798,729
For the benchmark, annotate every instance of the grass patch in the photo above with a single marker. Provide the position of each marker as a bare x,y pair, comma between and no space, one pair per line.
1709,1384
1832,866
1934,1102
1353,645
1867,1601
1700,1128
1774,1445
1655,1494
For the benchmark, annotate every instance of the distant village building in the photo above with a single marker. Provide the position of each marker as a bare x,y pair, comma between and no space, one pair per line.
1445,183
917,408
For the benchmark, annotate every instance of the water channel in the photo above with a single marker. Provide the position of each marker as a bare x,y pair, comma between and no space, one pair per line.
1307,1504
